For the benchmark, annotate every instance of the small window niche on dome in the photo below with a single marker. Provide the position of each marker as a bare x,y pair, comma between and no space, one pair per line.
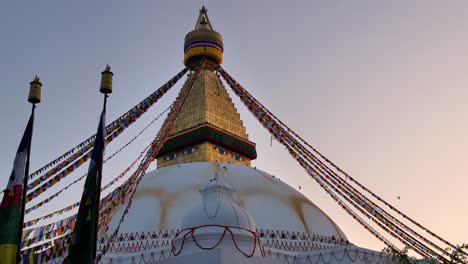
171,156
221,151
188,151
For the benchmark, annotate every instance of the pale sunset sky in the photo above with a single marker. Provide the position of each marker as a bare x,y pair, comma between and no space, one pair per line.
379,87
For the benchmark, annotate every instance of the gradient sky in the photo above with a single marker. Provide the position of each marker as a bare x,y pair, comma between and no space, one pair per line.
380,87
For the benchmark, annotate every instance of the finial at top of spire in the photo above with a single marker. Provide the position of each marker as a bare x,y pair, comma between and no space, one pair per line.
203,22
203,10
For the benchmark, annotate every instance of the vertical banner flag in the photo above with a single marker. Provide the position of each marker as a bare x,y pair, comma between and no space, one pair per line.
83,239
10,208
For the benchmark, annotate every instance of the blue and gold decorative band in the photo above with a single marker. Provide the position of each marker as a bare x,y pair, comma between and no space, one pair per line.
203,44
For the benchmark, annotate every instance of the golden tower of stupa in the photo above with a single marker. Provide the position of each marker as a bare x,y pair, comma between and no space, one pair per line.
208,128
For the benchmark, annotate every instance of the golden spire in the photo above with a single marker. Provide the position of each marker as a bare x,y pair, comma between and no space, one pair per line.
208,127
203,42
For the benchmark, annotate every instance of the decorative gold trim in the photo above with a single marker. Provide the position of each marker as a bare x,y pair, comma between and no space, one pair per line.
204,51
214,128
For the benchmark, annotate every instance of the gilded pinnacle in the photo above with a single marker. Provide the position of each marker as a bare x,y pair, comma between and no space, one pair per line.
106,80
35,91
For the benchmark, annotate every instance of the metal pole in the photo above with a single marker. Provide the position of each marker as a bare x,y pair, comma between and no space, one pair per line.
99,178
25,187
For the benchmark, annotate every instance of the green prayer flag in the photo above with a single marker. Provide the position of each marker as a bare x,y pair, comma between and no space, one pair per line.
83,240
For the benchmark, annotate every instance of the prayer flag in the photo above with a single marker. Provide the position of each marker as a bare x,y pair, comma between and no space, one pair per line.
10,208
83,240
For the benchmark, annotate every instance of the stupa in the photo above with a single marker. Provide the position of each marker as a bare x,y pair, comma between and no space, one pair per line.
205,203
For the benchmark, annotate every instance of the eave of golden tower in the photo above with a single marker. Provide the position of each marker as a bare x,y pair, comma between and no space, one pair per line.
208,127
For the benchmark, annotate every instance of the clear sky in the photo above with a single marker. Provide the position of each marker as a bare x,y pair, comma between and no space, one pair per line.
380,87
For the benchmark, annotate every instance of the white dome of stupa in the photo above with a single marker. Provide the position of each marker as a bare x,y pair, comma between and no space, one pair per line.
167,195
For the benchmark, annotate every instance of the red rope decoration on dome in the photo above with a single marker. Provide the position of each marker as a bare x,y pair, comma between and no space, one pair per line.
321,257
191,231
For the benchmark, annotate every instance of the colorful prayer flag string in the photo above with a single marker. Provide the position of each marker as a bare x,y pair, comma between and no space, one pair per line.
47,200
279,130
134,112
158,142
125,121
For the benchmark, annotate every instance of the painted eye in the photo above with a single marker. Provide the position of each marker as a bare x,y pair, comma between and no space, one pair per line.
237,157
171,157
189,151
221,151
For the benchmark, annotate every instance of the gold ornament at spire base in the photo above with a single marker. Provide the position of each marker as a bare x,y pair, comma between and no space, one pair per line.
106,81
203,43
35,91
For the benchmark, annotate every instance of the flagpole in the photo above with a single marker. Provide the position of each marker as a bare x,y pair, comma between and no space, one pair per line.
34,98
98,191
106,89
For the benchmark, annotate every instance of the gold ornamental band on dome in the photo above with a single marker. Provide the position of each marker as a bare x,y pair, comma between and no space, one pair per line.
203,51
35,91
